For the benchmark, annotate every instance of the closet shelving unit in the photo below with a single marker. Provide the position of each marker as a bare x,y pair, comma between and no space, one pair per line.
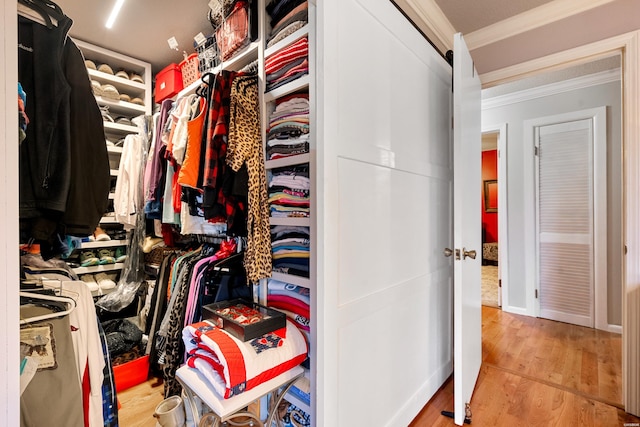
268,103
257,50
116,131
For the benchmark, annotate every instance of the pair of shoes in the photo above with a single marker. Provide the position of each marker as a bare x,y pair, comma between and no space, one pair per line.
105,281
150,243
106,256
104,110
100,235
121,254
88,259
90,281
99,282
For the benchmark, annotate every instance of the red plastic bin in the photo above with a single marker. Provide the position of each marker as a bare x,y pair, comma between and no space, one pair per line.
168,82
131,373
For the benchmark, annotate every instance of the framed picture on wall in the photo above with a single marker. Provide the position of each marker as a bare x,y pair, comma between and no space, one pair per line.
491,195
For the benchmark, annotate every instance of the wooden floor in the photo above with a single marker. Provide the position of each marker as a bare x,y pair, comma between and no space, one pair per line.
538,372
535,372
138,403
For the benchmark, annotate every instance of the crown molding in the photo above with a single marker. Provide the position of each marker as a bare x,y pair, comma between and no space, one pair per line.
434,19
581,82
529,20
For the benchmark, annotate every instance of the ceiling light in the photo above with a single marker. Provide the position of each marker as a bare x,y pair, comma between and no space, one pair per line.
114,13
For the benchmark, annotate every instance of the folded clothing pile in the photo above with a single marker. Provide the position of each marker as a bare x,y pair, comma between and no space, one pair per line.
287,16
290,250
232,366
288,131
287,64
289,192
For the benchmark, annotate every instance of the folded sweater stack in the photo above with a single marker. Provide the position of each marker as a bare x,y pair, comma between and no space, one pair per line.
288,131
289,193
287,64
290,251
287,16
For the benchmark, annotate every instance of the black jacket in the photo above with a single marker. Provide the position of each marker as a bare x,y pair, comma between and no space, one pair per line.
64,165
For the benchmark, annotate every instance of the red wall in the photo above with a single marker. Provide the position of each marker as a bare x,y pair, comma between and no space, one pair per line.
489,172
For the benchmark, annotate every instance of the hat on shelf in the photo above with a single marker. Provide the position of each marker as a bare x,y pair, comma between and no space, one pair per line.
90,64
97,89
137,101
136,78
124,97
123,74
110,91
105,68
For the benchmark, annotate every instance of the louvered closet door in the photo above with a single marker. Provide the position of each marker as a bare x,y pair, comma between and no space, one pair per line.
565,222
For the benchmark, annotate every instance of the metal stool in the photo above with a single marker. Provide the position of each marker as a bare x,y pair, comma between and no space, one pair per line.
225,410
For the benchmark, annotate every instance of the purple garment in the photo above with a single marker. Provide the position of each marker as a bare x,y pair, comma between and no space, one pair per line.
194,287
154,168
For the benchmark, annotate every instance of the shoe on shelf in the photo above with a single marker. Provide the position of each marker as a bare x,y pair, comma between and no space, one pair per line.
104,282
88,258
100,235
150,243
106,256
90,281
121,254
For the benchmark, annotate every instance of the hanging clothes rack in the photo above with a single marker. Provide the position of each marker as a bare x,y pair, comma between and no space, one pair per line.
70,302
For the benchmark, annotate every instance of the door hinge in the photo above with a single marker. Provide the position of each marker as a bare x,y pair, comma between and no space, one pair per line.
535,150
536,294
625,249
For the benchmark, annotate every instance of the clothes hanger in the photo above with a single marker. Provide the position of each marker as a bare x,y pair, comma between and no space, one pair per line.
70,302
34,13
49,11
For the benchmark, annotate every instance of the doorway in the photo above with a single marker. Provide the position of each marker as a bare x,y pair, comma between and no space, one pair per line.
491,198
503,102
570,174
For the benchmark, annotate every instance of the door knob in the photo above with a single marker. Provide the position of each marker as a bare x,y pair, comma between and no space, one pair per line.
448,252
469,254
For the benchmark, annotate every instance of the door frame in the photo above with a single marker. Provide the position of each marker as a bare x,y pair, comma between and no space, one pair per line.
628,46
598,117
9,260
503,211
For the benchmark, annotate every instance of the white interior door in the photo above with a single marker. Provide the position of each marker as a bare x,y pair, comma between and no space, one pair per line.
467,316
565,217
384,215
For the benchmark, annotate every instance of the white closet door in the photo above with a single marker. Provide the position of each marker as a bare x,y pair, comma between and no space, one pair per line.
384,216
467,300
565,222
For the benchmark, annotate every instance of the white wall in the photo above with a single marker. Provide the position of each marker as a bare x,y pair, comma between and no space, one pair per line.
514,114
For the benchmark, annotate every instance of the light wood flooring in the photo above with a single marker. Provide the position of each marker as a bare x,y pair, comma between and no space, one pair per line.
535,372
538,372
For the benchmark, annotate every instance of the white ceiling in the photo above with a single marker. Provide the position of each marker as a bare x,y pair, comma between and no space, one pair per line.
468,16
144,26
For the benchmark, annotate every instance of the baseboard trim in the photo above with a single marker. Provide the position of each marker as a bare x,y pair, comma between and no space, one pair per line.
516,310
616,329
